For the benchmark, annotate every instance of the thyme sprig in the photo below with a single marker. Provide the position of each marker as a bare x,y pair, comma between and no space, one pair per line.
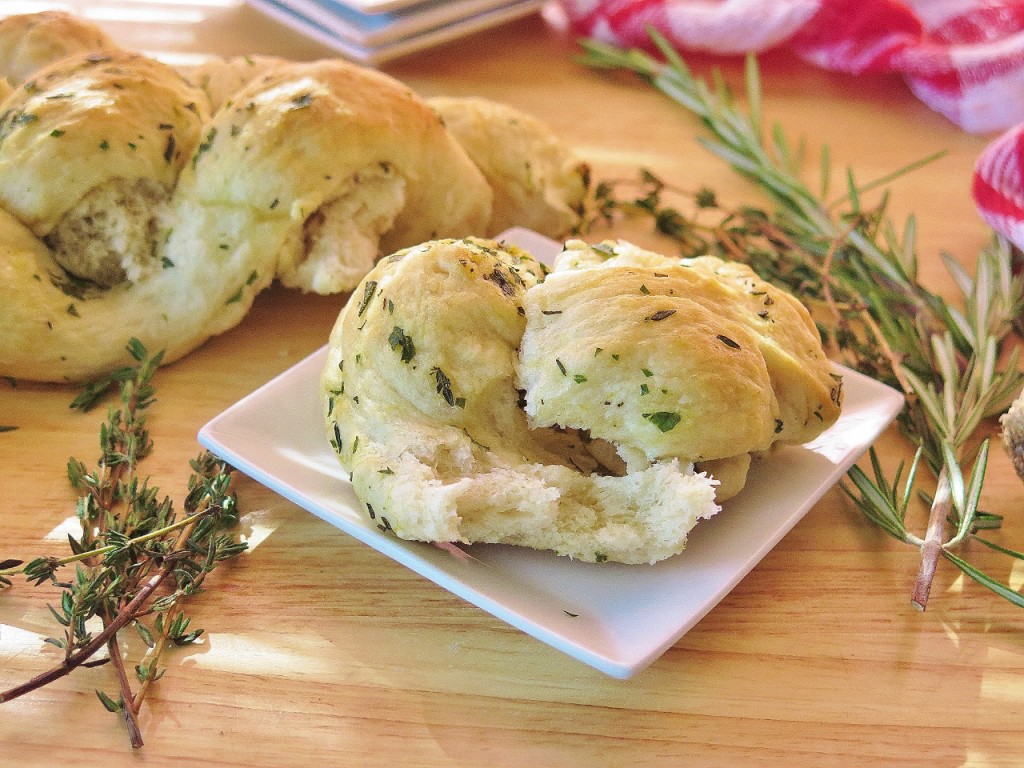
137,560
859,270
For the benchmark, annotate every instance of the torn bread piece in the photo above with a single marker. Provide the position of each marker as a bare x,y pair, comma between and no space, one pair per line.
422,407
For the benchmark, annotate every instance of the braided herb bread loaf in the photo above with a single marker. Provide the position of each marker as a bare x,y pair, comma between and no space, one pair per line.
595,411
138,201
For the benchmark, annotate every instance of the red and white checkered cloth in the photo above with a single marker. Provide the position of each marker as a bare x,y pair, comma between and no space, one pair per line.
964,58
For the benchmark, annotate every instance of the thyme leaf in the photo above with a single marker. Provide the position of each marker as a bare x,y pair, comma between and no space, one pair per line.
399,339
368,290
444,388
661,315
138,560
665,421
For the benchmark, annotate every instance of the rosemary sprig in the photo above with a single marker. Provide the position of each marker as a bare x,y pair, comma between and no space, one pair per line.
136,561
860,270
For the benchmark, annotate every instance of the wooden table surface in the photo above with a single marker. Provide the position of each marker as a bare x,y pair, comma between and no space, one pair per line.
320,651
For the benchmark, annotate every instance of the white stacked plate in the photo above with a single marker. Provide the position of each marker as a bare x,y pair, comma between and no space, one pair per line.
373,31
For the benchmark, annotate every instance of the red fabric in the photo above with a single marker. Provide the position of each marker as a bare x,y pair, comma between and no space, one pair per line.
998,185
858,35
964,58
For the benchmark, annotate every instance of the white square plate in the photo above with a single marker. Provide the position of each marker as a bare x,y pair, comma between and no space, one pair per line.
616,618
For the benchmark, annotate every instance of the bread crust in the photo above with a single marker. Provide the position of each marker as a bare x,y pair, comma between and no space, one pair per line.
734,362
89,119
221,78
31,41
537,181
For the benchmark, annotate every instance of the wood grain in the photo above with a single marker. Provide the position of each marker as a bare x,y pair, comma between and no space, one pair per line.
319,650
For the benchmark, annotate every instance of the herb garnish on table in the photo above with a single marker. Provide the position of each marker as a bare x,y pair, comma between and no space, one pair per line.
860,269
136,560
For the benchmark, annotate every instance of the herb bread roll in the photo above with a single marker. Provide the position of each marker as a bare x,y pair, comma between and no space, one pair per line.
163,202
91,148
158,220
422,407
599,410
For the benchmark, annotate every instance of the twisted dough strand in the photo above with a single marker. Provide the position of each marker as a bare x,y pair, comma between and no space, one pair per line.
134,204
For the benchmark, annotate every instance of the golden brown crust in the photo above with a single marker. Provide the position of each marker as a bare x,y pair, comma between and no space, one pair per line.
645,346
88,119
29,42
537,181
806,393
304,134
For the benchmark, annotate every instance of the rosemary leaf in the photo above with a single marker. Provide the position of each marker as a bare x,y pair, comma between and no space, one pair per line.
985,580
857,269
